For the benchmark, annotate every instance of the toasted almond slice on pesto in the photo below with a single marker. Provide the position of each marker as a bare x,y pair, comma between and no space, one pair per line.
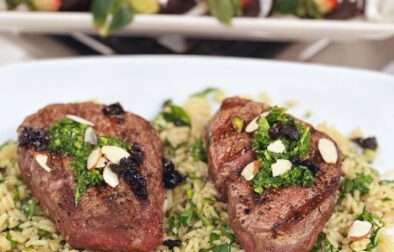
280,167
90,136
114,153
250,170
79,120
110,177
42,161
94,158
328,151
254,124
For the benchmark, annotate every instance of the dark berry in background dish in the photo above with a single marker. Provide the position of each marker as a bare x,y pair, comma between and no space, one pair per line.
75,5
251,8
177,6
347,9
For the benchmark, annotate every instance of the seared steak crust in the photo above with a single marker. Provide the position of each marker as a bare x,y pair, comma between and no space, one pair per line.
229,151
283,219
106,218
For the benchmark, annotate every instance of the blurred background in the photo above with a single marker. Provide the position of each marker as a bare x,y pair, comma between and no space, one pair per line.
351,33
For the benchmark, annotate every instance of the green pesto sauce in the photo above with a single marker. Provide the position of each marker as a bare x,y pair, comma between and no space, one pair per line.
67,137
298,174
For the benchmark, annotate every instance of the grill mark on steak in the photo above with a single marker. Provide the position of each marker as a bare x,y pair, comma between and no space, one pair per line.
106,219
265,198
304,210
283,219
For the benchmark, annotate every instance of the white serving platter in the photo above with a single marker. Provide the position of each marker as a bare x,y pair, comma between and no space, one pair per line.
202,26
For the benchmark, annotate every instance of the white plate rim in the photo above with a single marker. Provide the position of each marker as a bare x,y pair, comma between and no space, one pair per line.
165,57
242,28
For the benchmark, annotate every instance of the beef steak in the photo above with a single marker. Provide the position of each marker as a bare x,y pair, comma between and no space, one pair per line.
106,218
283,219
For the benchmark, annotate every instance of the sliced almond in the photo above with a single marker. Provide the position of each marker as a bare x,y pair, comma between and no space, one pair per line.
102,162
254,125
114,153
328,151
42,161
359,230
90,136
110,177
250,171
276,147
79,120
94,158
280,167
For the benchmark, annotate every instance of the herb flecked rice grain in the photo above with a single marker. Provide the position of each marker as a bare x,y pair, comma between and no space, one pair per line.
192,213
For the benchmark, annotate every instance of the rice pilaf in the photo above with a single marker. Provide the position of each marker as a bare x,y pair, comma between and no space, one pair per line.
193,215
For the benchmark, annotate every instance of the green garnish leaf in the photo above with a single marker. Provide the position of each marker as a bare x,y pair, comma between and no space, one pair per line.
111,15
86,179
186,217
122,15
208,201
228,232
300,8
213,237
13,4
261,137
29,208
224,10
322,244
174,223
44,233
202,218
67,137
361,183
222,248
189,194
101,9
302,146
197,151
176,115
9,237
205,92
16,195
105,141
277,114
286,6
237,123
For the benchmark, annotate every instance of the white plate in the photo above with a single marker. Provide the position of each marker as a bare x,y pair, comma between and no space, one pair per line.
344,98
242,28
